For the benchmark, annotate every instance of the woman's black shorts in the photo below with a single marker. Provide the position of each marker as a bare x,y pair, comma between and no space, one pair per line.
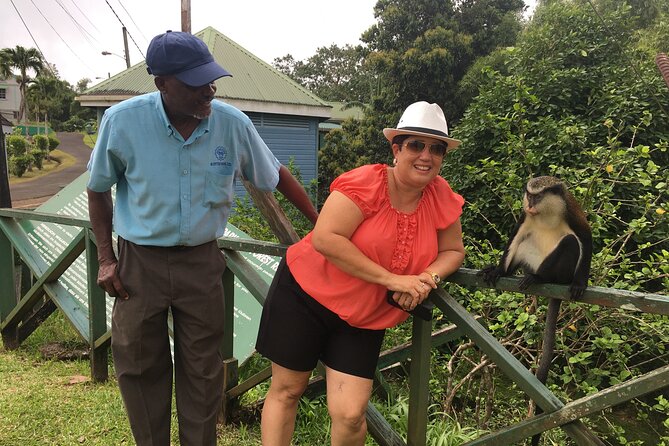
296,331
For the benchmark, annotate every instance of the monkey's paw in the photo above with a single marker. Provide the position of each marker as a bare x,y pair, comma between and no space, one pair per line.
576,291
527,280
490,274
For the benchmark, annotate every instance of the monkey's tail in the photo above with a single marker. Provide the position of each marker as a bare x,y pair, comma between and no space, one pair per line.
547,349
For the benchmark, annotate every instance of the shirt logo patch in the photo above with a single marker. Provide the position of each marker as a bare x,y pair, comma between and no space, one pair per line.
220,153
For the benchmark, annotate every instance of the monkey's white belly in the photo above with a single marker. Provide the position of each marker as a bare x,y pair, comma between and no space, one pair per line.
530,248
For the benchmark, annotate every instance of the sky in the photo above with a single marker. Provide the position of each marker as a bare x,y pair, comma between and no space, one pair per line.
72,34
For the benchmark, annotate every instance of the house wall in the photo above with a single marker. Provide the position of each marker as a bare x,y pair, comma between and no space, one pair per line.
10,99
289,137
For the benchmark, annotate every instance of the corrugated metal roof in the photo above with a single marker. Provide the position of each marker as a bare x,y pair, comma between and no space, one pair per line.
254,86
342,111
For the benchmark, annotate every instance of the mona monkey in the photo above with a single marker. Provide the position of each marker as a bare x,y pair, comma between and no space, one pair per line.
552,242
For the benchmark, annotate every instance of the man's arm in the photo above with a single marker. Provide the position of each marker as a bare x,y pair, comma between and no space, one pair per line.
100,211
295,193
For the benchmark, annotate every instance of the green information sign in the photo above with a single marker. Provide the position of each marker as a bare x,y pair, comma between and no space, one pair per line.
51,239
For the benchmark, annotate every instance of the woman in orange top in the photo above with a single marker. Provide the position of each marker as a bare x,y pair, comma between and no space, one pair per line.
382,231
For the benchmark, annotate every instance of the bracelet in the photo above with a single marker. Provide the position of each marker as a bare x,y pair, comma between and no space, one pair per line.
434,276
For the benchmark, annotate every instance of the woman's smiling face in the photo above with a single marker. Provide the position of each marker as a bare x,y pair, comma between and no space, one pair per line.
419,159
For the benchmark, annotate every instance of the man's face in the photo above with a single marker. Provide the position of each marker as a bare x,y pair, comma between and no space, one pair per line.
182,100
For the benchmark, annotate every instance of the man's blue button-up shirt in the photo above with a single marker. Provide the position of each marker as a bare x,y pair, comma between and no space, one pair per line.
169,191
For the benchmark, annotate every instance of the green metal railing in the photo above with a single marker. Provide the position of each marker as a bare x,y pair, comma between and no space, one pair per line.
30,290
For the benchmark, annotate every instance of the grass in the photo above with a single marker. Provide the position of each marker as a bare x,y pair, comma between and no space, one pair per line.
89,139
54,402
60,160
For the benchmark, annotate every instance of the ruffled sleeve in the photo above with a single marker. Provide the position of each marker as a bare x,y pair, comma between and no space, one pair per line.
445,205
366,186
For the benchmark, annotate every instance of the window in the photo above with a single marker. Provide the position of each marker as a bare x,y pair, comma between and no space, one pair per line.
3,93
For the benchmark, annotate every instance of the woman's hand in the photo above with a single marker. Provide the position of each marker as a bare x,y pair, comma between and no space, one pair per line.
412,290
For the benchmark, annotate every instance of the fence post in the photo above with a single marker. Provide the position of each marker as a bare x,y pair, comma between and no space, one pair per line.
8,298
230,364
97,314
419,379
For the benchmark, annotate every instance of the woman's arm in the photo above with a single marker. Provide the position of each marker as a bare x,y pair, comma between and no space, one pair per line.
451,252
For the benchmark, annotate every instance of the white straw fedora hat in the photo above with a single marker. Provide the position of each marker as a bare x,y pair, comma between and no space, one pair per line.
423,119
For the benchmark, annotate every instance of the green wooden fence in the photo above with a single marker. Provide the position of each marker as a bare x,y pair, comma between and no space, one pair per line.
31,289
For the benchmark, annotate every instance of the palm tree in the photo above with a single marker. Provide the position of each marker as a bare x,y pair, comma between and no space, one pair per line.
23,60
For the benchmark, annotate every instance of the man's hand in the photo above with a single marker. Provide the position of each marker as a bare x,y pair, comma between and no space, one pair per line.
109,280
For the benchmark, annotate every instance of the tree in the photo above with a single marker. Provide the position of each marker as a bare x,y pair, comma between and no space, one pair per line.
334,73
418,50
575,103
54,97
23,60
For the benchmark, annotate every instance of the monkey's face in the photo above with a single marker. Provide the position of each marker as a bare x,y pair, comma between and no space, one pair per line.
418,160
543,195
545,202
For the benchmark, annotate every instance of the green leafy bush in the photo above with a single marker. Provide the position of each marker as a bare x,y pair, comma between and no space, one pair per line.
18,164
41,142
17,145
53,142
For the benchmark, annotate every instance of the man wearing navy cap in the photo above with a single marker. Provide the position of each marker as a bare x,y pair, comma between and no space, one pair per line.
173,156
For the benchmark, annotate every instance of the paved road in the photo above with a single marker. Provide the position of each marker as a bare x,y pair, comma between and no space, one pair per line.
34,192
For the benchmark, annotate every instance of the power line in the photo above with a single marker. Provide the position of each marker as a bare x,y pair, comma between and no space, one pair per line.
133,21
85,16
131,38
83,30
48,66
61,37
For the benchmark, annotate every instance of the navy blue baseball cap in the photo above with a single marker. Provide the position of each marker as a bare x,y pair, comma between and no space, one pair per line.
185,57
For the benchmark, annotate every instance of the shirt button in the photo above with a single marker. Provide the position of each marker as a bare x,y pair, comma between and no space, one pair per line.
185,172
185,196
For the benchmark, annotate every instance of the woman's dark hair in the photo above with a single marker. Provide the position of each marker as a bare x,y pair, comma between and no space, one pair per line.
399,139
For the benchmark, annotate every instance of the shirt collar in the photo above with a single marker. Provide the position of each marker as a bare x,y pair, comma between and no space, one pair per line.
203,126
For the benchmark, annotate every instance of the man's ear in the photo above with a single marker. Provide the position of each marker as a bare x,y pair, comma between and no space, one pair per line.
160,83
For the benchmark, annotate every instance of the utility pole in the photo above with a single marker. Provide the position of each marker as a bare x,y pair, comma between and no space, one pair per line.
125,45
185,16
5,195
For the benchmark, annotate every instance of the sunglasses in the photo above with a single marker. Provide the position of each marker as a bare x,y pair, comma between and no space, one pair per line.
435,149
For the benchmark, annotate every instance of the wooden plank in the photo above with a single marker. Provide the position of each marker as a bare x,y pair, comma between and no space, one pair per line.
509,364
23,246
273,213
8,297
583,407
252,245
52,273
30,324
250,383
401,352
247,275
607,297
230,380
380,430
44,217
97,313
419,380
228,315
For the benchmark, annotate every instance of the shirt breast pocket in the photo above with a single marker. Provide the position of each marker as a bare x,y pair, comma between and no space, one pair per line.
218,190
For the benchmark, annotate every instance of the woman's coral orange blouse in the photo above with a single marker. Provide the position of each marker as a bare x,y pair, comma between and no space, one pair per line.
402,243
